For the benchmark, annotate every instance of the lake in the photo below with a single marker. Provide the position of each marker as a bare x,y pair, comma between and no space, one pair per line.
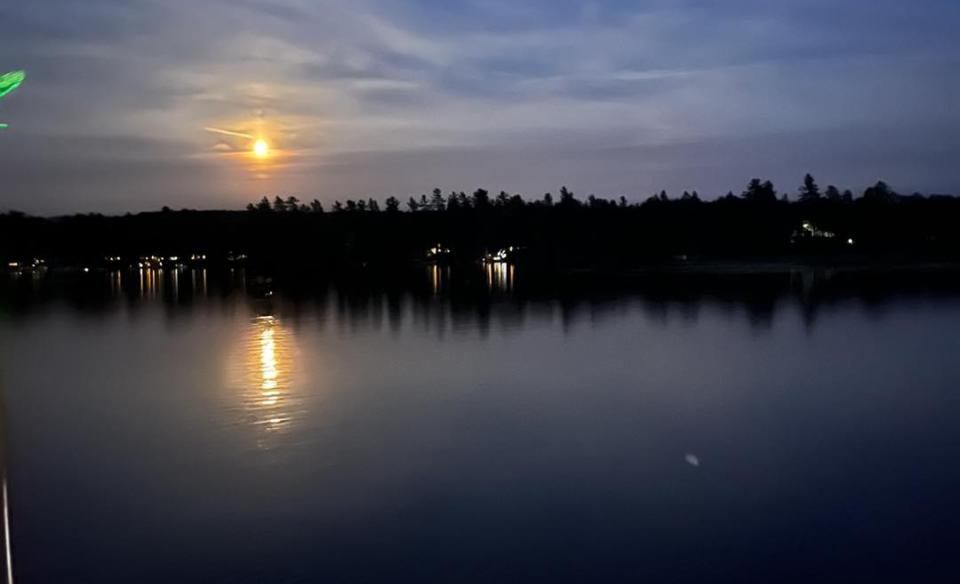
177,426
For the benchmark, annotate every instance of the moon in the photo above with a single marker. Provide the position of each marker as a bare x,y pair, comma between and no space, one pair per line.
260,148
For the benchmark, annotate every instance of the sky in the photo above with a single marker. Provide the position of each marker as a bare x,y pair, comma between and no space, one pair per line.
372,98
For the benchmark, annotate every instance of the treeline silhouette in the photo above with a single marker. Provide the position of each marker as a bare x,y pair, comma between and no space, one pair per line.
565,232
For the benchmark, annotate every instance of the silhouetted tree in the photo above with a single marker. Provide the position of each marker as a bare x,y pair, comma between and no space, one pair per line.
481,199
279,205
316,206
547,200
880,192
832,194
453,204
810,191
758,191
437,202
393,205
567,199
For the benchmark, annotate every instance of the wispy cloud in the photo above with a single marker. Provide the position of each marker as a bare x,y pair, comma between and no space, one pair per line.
339,80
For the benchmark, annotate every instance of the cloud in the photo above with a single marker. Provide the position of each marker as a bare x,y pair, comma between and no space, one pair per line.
336,82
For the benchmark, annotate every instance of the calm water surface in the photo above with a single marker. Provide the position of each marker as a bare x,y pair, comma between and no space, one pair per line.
159,431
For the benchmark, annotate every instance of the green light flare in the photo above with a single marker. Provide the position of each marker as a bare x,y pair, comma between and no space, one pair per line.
10,81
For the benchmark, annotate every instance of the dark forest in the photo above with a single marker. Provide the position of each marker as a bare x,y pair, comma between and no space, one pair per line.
562,233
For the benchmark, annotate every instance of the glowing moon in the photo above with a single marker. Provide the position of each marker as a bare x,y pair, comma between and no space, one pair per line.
260,148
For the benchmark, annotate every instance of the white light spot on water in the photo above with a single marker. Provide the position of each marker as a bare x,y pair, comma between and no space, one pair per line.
692,459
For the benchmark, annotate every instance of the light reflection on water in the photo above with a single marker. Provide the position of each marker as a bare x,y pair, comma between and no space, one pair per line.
499,276
450,298
152,283
264,379
439,278
479,432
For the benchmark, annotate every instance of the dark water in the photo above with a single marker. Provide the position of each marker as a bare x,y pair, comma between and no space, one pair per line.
186,428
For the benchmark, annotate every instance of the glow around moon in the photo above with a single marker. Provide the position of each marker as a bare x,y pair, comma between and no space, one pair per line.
261,149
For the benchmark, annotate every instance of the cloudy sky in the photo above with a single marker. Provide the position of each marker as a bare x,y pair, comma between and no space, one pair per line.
361,98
